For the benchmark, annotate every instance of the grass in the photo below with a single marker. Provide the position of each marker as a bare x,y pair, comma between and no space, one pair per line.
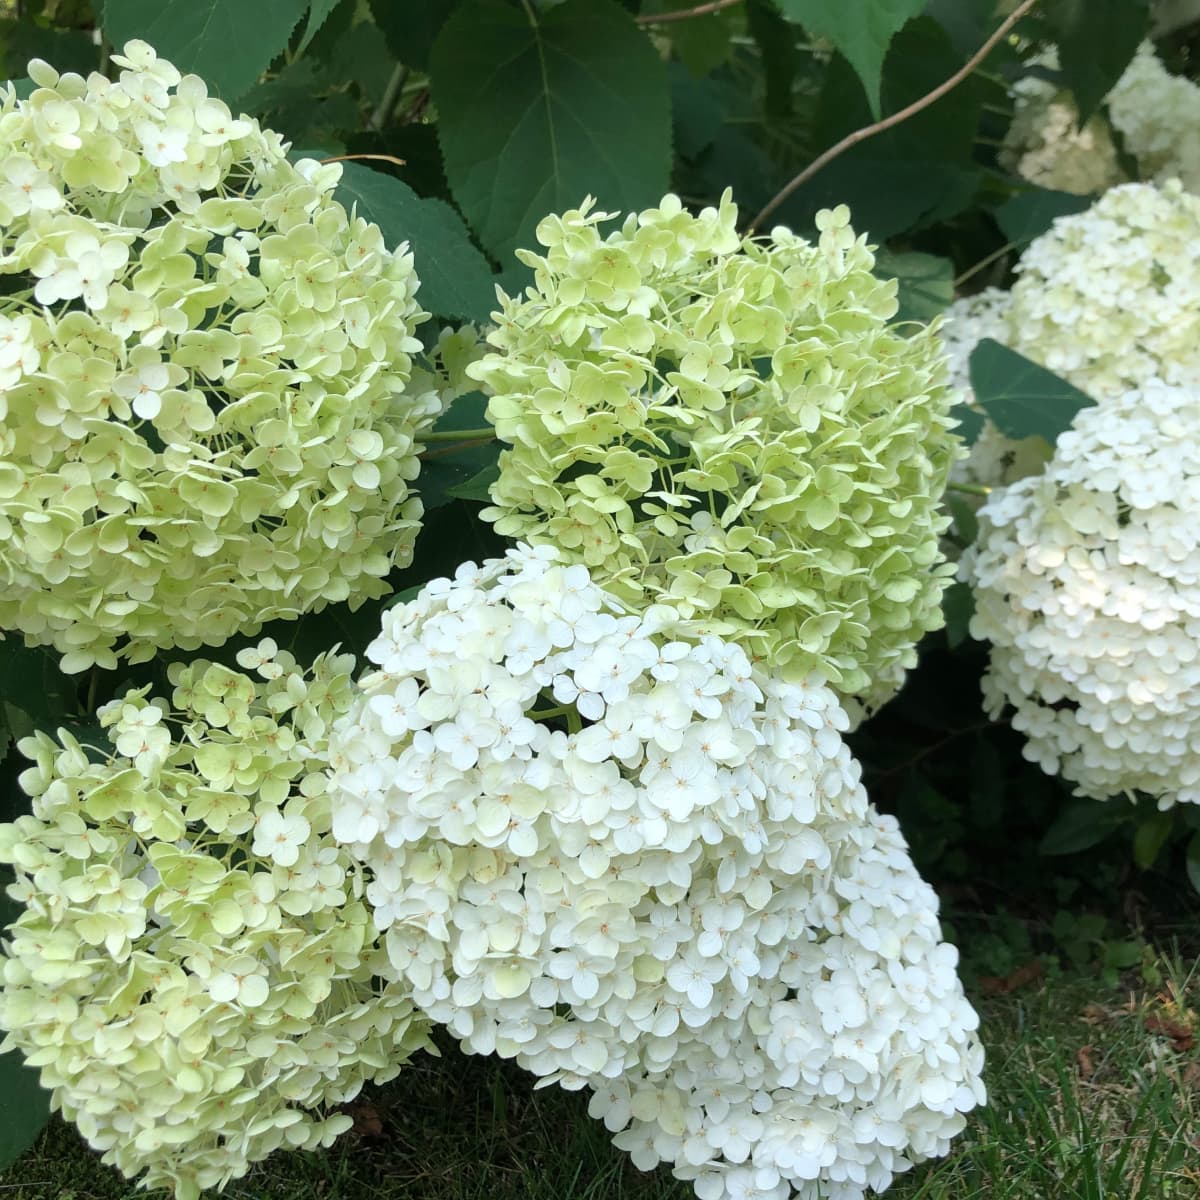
1095,1095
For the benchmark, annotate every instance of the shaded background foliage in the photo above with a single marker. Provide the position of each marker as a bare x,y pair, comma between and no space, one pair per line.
491,113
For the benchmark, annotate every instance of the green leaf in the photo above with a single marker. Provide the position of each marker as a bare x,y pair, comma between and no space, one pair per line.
318,14
958,606
1149,837
228,43
1096,41
1023,399
697,111
966,523
1193,861
1083,824
24,1108
532,118
456,281
701,43
1029,214
970,423
410,27
478,487
926,282
916,174
447,468
65,49
967,22
776,42
861,31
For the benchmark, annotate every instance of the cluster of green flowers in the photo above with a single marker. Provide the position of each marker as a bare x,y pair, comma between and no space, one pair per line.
732,428
204,421
193,971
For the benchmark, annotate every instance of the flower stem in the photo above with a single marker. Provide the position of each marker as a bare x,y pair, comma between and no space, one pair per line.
972,489
547,714
486,434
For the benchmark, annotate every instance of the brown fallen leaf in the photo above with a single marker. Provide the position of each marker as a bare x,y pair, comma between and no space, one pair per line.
996,985
367,1121
1182,1037
1190,1076
1083,1059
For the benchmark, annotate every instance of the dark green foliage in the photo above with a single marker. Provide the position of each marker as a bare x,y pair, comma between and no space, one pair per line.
1022,398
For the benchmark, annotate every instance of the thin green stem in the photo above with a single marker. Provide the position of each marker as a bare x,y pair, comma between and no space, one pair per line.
984,262
390,95
971,489
548,714
485,434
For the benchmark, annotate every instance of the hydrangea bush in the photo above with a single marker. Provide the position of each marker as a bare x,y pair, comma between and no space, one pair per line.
1087,585
203,362
634,862
193,969
730,427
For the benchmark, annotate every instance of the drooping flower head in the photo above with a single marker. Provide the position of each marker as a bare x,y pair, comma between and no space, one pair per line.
634,862
732,428
203,362
1087,584
193,968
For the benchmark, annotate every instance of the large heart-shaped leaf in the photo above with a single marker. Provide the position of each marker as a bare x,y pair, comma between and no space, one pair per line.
533,117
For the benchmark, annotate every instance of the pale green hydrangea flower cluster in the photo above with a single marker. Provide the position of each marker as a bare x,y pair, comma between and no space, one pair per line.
732,428
204,422
193,972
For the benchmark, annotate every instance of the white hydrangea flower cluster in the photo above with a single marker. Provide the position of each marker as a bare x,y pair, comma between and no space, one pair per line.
1087,584
194,968
203,362
1107,298
993,458
635,863
1045,143
1156,113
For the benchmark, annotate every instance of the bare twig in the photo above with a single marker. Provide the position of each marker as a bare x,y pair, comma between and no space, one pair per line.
398,162
861,135
684,14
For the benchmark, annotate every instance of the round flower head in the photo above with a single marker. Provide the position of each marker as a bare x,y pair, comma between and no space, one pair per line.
729,427
993,458
203,361
633,862
193,968
1107,298
1087,584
